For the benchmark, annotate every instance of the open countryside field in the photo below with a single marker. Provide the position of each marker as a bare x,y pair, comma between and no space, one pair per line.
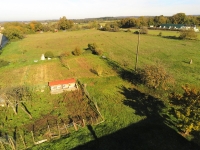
126,120
120,47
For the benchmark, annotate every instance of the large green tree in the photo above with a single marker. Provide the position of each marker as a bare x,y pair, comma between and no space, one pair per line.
179,18
160,20
64,23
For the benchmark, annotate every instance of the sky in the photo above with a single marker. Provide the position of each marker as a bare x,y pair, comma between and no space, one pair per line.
26,10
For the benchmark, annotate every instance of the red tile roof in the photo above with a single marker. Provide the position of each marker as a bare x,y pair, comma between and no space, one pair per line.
67,81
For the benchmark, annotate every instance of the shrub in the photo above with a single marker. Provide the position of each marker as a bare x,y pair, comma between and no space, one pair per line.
3,63
143,30
115,29
98,51
92,46
98,70
13,33
188,34
160,34
128,30
95,49
65,54
48,54
155,76
77,51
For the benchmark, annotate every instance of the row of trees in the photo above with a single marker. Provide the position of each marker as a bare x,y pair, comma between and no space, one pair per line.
179,18
17,30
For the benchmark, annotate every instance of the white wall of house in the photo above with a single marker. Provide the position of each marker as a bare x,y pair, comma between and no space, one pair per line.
63,86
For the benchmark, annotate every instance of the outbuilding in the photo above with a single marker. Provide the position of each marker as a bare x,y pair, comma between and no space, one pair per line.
63,85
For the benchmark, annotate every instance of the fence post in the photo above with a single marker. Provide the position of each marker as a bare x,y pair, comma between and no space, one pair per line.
91,120
98,110
11,144
2,145
83,122
49,130
66,128
23,140
33,137
58,129
75,127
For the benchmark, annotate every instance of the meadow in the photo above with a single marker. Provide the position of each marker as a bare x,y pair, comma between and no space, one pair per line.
124,105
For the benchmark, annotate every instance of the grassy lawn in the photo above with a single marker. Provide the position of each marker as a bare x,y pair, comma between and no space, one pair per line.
124,106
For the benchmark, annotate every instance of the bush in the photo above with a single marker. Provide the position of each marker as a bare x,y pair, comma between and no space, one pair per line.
188,34
143,30
98,70
3,63
92,46
98,51
115,29
65,54
128,30
48,54
77,51
155,76
95,49
160,34
13,33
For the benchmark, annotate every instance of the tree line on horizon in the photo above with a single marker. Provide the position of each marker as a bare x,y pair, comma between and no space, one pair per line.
17,30
179,18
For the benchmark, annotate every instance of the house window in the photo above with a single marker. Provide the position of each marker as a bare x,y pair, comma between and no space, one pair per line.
59,87
53,88
64,86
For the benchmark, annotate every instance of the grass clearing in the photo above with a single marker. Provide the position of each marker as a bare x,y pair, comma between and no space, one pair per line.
119,104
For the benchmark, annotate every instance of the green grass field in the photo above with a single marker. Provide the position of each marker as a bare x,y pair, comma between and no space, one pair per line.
123,108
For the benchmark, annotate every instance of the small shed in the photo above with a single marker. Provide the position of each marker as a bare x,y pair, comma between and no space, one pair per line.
42,57
63,85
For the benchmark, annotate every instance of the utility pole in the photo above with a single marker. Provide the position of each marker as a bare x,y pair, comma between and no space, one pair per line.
137,50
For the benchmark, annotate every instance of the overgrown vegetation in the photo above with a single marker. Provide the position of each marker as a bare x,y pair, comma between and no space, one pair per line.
13,33
129,109
48,54
188,34
77,51
155,76
186,109
3,63
95,49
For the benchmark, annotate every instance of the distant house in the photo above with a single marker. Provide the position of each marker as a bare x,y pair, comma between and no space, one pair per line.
172,26
179,27
63,85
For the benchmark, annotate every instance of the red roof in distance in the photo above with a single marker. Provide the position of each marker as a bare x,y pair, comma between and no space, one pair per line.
67,81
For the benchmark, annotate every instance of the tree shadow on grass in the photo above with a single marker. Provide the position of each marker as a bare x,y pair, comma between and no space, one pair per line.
172,37
196,135
150,133
125,74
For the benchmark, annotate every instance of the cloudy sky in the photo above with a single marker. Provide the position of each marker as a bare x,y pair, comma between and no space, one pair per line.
22,10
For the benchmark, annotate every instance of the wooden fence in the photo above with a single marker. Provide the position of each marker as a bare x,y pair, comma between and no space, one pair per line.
24,139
